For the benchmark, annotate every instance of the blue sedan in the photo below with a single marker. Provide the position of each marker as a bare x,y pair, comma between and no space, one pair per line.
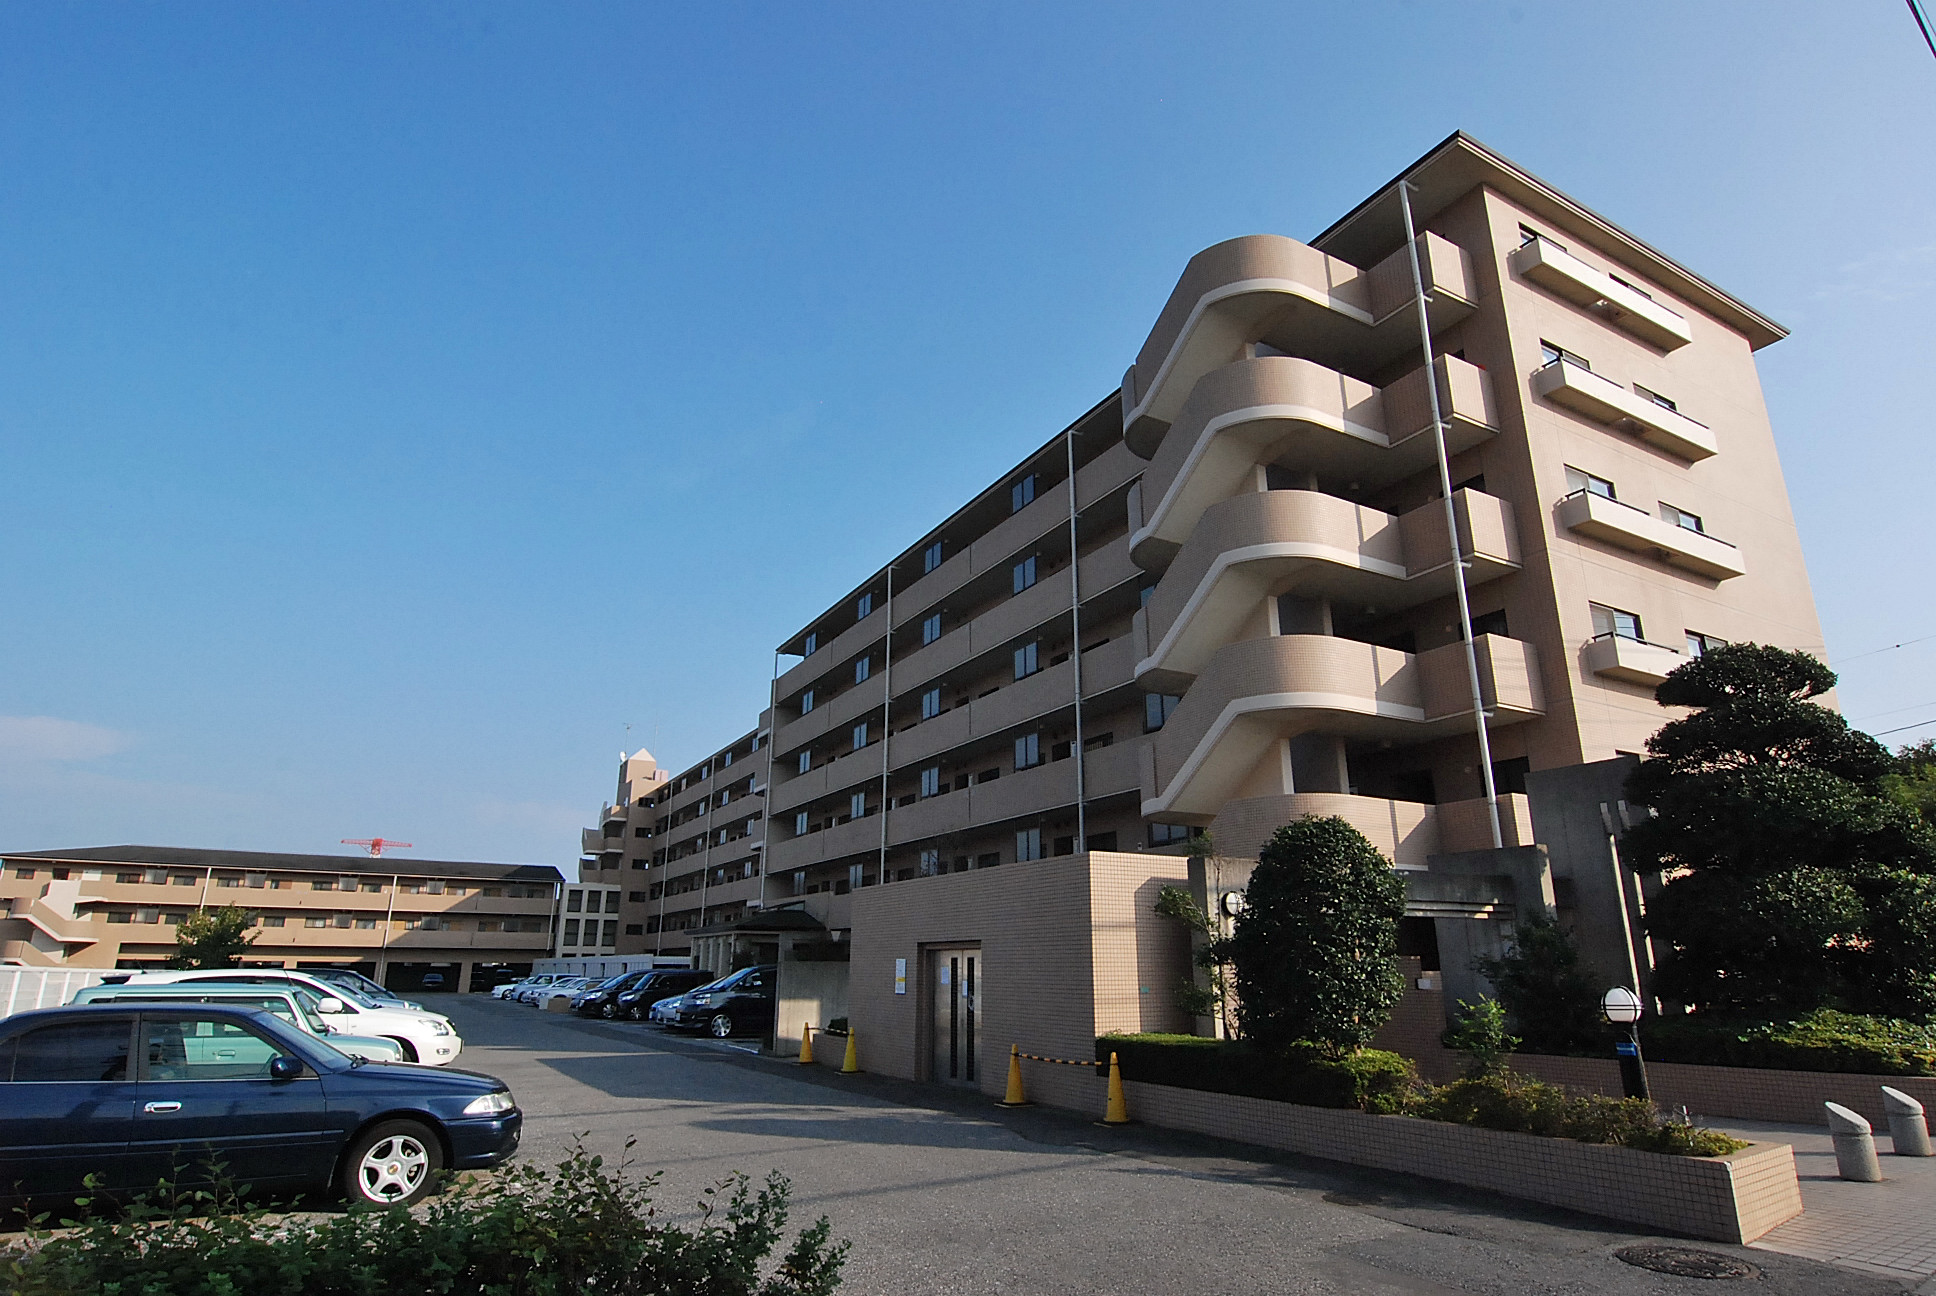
184,1092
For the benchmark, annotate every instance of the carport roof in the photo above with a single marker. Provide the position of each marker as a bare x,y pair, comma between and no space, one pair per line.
275,862
771,920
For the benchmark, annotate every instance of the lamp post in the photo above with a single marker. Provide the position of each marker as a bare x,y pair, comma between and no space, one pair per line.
1622,1007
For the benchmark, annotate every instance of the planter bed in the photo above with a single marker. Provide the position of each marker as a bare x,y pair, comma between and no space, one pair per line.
1737,1093
1732,1198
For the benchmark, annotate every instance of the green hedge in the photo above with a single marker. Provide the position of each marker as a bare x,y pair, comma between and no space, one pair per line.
1824,1040
1369,1080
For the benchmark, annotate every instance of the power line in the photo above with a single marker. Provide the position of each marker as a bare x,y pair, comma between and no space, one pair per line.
1922,23
1907,643
1877,715
1902,728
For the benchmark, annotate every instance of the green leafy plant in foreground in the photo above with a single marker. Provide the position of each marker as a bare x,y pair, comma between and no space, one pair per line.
524,1231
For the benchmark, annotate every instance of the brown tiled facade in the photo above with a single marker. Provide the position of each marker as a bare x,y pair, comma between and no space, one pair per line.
396,920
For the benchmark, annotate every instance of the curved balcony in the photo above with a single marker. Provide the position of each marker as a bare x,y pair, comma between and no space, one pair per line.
1265,287
1249,547
1407,833
1275,407
1256,691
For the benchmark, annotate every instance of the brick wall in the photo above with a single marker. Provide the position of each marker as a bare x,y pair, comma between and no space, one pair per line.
1738,1093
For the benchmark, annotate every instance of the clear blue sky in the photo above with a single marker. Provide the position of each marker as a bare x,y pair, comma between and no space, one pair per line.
397,401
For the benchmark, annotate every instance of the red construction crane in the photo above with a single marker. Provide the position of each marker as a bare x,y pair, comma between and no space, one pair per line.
375,845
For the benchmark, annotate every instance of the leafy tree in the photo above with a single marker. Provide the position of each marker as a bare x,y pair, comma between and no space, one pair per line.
1913,785
213,938
1212,999
1480,1034
1315,951
1796,882
1549,996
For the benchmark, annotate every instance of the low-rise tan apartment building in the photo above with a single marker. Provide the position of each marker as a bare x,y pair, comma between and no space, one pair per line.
1228,596
458,924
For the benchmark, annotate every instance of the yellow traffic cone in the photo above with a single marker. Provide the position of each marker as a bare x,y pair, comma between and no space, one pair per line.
1015,1096
806,1045
1118,1112
852,1065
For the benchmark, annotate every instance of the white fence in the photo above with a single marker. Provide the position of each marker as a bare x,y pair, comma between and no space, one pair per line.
599,968
22,989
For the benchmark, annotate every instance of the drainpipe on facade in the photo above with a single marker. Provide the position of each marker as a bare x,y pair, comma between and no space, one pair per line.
887,713
1459,563
766,797
1075,650
389,916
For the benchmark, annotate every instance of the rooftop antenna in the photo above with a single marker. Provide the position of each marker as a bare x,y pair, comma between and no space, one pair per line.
375,845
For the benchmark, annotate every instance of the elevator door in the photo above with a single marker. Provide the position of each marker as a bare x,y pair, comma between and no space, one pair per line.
955,975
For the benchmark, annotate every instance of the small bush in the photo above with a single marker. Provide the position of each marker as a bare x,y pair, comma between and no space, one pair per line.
1824,1040
1503,1100
525,1231
1480,1035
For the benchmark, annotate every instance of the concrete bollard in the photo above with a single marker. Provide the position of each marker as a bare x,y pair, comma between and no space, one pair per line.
1908,1129
1855,1152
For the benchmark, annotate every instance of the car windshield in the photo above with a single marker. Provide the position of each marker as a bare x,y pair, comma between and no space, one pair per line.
613,983
309,1002
355,981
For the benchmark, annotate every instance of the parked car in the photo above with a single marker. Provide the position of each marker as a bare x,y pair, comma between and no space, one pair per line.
566,990
635,1001
295,1005
565,985
598,998
377,994
425,1036
740,1004
510,989
141,1093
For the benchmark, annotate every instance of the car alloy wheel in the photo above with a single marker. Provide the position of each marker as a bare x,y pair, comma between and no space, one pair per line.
609,1011
721,1026
395,1164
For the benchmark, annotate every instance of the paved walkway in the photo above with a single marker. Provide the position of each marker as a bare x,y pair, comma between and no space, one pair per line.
1886,1228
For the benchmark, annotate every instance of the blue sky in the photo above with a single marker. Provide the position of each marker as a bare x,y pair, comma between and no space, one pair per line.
398,401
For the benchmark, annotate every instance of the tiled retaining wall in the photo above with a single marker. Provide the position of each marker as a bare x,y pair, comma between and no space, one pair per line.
1735,1198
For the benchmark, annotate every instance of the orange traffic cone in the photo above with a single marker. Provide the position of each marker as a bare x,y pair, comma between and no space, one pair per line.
852,1065
1015,1096
1118,1111
806,1045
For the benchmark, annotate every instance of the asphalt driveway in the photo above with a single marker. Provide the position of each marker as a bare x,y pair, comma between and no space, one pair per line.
942,1192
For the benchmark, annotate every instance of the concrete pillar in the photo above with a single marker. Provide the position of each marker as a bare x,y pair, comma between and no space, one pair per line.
1908,1129
464,976
1855,1152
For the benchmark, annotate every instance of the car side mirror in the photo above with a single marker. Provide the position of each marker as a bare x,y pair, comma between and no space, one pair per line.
329,1004
282,1067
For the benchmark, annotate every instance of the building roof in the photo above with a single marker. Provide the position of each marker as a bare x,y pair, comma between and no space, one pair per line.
276,862
1459,163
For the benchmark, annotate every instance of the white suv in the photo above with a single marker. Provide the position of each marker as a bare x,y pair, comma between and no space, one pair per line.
426,1037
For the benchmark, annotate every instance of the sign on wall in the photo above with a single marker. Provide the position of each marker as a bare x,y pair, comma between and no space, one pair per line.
900,976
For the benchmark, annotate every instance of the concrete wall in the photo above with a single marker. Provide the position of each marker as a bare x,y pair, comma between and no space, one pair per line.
1070,948
810,994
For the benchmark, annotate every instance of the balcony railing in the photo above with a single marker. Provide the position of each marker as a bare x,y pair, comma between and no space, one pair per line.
1572,385
1625,307
1615,522
1635,661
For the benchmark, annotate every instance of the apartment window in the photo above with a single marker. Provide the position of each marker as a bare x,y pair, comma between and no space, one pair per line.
856,876
930,863
1551,353
1612,621
931,557
571,931
574,901
931,629
864,608
860,735
366,924
1028,751
154,877
1028,660
931,704
344,920
1656,397
862,669
635,929
124,879
321,884
316,922
1021,494
806,702
1025,573
806,761
377,888
1527,234
179,879
1683,519
1028,844
800,824
1163,834
1156,710
1579,482
857,805
610,934
436,887
1698,644
1491,623
274,920
931,781
1631,287
810,644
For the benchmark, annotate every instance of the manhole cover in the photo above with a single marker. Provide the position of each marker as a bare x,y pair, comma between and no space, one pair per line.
1686,1262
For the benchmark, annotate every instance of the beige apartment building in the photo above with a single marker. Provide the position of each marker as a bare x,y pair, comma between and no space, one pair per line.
410,924
1229,595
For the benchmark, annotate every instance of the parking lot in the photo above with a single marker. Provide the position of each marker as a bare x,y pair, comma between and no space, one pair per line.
940,1191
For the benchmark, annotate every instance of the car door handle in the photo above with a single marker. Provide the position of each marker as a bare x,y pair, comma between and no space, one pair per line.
159,1108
